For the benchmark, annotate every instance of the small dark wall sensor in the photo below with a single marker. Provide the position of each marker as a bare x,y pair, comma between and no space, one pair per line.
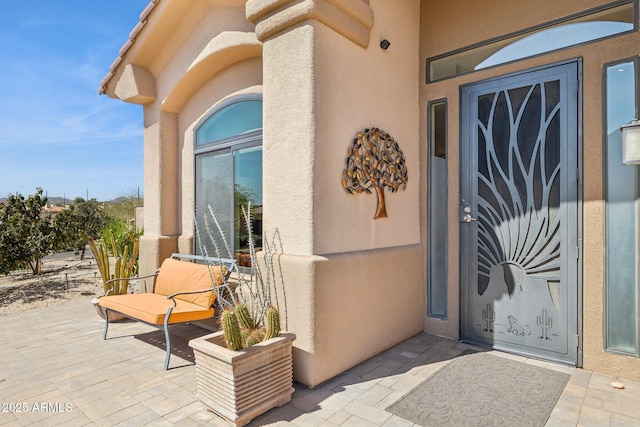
384,44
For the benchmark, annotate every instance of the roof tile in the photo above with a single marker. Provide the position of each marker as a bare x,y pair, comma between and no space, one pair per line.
127,45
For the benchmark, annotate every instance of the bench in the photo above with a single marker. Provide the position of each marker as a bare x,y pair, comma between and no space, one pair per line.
182,293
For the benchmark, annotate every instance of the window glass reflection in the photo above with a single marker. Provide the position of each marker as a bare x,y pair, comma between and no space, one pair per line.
554,38
621,211
235,119
591,26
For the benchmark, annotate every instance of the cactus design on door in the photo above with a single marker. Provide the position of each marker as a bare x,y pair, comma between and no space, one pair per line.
519,213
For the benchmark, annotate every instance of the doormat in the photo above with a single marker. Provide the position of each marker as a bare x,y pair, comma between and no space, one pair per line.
483,390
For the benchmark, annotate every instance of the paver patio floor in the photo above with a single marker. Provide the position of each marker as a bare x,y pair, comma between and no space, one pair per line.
55,369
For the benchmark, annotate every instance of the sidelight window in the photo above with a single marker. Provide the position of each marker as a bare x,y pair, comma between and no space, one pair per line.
622,187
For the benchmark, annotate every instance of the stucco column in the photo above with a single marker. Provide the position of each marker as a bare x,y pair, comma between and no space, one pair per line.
161,204
289,145
290,32
322,82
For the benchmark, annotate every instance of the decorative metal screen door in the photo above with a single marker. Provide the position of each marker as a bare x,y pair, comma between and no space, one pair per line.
519,213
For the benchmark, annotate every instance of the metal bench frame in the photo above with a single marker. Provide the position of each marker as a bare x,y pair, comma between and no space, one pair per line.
231,267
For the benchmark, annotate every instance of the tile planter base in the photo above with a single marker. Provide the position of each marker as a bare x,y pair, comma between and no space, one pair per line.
240,385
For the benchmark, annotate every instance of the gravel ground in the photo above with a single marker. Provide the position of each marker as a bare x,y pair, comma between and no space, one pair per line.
65,278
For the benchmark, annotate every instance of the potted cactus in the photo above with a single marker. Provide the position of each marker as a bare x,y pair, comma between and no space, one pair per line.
240,384
246,368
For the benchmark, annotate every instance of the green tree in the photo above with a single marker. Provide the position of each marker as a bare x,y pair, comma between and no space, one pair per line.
244,197
27,234
83,218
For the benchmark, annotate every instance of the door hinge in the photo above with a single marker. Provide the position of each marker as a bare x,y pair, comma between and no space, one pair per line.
577,340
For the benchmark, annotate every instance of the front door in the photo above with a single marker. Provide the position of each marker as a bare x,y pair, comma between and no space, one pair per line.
520,213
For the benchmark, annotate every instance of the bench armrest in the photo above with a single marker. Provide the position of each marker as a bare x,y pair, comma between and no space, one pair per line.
195,292
127,279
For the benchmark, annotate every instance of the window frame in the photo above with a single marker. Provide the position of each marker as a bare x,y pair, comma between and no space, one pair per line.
430,262
605,178
230,145
530,31
228,141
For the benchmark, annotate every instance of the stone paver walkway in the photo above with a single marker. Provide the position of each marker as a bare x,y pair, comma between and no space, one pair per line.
55,369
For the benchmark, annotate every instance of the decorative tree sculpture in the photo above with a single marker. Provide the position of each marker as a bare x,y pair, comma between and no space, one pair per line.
375,161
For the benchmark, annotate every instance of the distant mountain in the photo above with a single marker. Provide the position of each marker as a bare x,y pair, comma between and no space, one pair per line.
58,201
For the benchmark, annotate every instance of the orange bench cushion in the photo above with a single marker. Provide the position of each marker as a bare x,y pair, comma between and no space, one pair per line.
180,276
152,308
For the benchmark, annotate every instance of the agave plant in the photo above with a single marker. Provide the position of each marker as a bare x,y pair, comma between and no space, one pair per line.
125,264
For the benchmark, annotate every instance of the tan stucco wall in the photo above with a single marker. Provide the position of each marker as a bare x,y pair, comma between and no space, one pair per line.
343,310
437,20
360,288
358,304
372,87
161,223
309,98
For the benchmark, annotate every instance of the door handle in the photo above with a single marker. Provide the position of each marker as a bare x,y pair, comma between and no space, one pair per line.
465,212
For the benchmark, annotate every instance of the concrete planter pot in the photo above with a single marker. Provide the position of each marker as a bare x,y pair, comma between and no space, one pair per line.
240,385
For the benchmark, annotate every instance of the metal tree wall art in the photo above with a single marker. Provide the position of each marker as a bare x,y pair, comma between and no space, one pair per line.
375,161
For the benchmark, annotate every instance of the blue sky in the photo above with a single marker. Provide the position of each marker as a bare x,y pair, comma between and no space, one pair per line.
55,131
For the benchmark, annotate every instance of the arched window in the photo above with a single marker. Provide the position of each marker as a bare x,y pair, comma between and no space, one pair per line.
228,167
230,121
